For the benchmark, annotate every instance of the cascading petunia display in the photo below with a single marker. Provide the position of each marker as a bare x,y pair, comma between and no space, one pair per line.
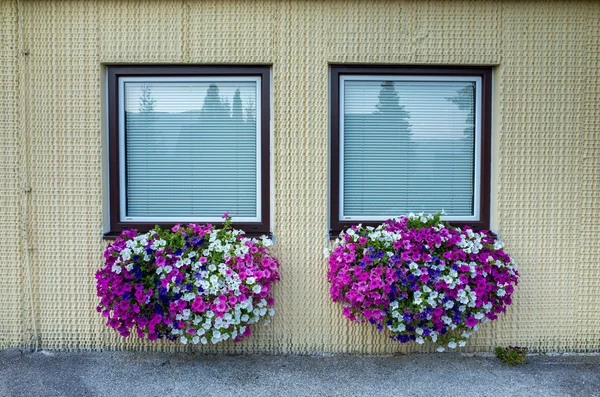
194,283
421,279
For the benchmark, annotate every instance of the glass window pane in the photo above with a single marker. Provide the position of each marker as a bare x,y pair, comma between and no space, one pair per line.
191,149
408,146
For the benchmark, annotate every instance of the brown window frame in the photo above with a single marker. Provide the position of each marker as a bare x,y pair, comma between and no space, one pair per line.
115,72
336,71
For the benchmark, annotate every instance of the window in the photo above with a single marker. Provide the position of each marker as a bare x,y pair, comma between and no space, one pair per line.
187,144
409,140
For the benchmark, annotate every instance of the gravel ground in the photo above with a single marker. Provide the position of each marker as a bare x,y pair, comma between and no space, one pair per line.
162,374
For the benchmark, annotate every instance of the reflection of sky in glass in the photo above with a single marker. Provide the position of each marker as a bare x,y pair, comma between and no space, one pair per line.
176,97
428,103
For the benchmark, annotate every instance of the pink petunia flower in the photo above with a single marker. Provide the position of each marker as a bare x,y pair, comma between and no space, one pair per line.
471,321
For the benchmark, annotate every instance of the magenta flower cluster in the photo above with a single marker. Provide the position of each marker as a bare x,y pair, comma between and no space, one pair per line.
421,279
193,283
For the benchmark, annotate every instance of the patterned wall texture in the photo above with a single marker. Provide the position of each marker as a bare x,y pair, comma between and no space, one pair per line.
546,177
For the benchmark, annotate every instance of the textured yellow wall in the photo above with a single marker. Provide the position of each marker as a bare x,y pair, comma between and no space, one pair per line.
11,188
546,152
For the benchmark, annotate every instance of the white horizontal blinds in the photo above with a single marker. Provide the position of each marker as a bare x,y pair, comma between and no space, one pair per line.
408,146
191,149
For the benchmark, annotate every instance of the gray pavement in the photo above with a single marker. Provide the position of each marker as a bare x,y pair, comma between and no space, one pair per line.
162,374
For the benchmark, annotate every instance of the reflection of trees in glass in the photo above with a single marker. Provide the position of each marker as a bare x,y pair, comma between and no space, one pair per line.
147,101
377,147
237,110
463,147
250,112
214,105
394,120
389,108
221,123
464,100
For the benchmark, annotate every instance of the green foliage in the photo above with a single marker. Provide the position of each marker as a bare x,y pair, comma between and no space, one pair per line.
420,222
512,355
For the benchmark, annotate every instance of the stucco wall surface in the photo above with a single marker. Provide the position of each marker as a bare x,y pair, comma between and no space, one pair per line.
546,174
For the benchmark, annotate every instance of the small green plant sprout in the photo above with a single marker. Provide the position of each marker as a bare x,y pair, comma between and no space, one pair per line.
512,355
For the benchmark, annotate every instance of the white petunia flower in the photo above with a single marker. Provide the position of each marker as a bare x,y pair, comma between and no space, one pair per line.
126,254
189,296
267,242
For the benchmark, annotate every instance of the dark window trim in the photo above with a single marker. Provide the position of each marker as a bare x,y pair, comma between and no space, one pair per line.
335,224
117,71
